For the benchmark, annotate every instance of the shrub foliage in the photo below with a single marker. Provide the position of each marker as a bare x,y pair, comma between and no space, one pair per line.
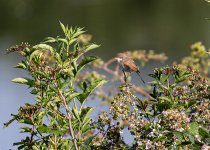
171,112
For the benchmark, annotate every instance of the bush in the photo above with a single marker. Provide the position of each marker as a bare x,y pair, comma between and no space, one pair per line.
172,114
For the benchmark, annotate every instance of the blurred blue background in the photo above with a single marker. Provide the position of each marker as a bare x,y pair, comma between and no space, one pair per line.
117,25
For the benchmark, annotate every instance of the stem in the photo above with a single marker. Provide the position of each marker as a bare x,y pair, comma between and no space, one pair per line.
170,92
115,72
63,99
69,119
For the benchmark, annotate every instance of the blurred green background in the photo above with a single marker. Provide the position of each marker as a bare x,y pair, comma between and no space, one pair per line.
169,26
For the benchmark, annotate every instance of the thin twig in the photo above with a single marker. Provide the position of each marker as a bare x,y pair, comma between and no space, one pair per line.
115,72
63,99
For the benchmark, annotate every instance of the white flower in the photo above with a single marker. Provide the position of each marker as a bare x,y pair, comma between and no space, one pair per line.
180,129
188,120
148,145
205,147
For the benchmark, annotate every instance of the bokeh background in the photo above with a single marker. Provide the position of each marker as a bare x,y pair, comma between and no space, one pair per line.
168,26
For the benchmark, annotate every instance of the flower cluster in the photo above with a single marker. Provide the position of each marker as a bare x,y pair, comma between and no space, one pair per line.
176,120
18,48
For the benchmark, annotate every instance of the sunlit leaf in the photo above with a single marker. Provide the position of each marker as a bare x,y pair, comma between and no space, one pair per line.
62,40
164,98
43,129
73,95
26,129
35,54
50,40
40,49
179,135
149,113
91,46
78,32
26,121
194,126
62,27
20,65
190,136
72,41
76,112
24,80
164,78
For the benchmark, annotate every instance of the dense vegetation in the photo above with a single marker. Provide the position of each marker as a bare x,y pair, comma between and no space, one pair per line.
170,112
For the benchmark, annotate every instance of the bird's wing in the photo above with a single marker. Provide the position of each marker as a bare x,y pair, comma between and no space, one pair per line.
130,64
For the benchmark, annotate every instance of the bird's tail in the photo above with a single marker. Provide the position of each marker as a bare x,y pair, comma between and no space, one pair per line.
139,73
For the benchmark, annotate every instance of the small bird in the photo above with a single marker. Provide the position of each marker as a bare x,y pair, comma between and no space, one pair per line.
128,65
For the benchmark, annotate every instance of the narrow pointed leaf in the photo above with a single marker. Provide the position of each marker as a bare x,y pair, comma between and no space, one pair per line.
49,40
9,122
25,80
73,95
20,65
62,27
92,46
85,61
83,96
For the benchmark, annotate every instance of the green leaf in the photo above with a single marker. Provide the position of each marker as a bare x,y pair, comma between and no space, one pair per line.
21,147
20,65
85,112
194,126
40,49
24,80
63,27
84,86
83,96
85,61
9,122
26,121
203,132
35,54
58,57
154,82
49,40
190,136
76,112
62,40
179,135
91,46
41,73
74,65
147,126
73,95
72,41
149,113
85,127
57,132
190,103
43,129
65,84
78,32
26,129
164,98
153,76
181,76
164,78
18,143
89,140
